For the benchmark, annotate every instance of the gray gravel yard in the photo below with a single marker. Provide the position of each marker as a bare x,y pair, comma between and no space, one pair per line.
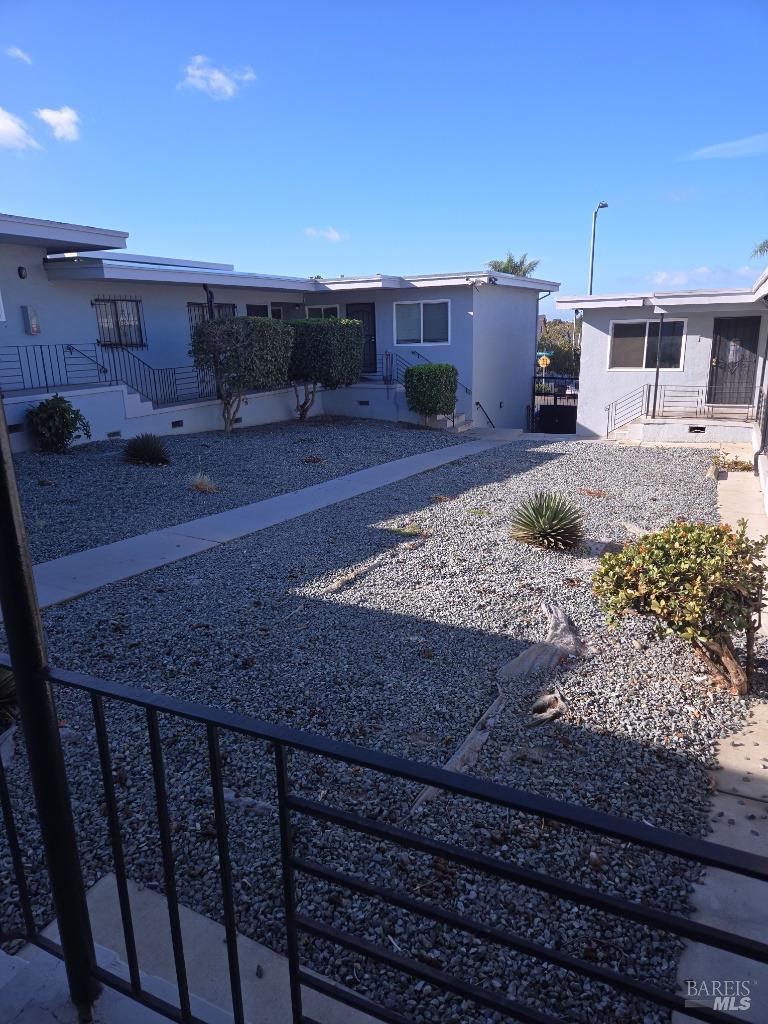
89,496
382,621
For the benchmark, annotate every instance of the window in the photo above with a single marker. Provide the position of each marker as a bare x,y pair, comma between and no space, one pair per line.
635,344
198,312
422,323
322,312
119,322
257,310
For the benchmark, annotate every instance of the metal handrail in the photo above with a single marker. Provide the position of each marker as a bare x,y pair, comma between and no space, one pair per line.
627,408
285,739
478,405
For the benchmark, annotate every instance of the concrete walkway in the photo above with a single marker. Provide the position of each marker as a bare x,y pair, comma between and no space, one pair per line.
65,578
739,813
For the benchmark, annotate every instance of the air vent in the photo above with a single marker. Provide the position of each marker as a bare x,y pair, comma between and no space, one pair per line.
696,430
175,424
238,419
15,428
363,401
114,433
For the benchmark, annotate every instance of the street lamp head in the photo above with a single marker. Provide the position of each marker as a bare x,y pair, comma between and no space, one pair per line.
602,206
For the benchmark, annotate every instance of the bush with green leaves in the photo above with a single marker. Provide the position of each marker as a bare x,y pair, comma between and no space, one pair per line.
702,582
55,423
548,520
430,389
147,450
327,352
244,353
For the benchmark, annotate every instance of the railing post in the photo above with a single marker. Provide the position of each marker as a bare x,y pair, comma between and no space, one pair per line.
289,886
26,646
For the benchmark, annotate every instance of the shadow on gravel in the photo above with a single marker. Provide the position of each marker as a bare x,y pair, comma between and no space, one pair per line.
270,627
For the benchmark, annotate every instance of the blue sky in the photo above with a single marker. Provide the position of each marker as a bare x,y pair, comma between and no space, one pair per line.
337,137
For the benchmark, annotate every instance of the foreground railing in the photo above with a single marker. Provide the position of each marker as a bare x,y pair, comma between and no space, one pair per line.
31,367
291,805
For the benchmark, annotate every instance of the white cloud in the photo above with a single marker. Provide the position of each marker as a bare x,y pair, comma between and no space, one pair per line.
329,234
13,132
680,278
218,83
65,122
752,145
17,54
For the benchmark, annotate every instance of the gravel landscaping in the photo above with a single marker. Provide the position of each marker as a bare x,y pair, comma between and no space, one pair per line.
382,621
89,496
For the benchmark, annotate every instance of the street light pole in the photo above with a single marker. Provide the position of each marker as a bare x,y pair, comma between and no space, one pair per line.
600,206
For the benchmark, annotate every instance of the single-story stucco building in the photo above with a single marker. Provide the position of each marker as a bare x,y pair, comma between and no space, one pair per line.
706,380
112,330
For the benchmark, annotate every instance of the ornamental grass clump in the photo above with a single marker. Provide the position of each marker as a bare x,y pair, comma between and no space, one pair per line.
548,520
702,582
147,450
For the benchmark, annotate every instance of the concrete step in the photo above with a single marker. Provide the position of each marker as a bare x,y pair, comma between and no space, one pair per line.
264,973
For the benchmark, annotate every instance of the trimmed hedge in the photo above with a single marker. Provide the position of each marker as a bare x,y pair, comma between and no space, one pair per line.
431,389
244,353
327,352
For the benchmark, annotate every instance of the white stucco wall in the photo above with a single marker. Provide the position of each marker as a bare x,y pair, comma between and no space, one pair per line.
599,386
504,353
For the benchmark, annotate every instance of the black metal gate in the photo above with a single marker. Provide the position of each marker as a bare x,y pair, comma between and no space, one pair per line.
365,312
554,403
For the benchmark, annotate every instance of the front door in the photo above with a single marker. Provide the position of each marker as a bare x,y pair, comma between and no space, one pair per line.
366,313
734,360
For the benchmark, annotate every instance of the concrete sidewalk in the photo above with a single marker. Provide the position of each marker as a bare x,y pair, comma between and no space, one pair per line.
65,578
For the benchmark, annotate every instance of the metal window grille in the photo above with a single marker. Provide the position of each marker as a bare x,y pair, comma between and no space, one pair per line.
120,321
198,312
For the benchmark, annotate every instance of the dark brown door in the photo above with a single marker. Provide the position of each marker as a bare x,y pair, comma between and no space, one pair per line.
734,360
366,313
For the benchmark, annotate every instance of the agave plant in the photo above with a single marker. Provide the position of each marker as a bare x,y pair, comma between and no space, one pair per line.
147,450
548,521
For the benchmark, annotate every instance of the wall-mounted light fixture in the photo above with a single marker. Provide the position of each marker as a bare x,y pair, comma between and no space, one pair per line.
22,272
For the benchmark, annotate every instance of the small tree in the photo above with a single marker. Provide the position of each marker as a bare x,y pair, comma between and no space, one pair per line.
327,352
557,337
702,582
430,389
244,353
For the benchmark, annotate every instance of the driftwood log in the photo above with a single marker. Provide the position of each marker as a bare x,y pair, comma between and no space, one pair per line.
562,643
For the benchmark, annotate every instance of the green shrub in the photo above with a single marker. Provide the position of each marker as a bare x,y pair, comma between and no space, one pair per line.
147,450
430,390
702,582
244,353
56,423
548,521
327,352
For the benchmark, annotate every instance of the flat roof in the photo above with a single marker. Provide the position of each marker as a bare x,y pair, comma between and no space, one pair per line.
687,297
57,236
110,266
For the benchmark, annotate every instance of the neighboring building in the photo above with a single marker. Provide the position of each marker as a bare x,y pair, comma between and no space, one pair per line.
112,330
705,382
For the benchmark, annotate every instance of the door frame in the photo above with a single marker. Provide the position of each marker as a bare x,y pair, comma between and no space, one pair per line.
369,343
744,392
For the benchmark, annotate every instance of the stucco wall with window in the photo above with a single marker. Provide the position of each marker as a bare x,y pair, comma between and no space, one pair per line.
600,385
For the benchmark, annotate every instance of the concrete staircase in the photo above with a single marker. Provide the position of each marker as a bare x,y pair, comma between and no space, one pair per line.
33,986
457,424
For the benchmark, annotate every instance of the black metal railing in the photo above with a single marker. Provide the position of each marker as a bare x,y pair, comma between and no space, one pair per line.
626,409
479,405
687,401
290,805
31,367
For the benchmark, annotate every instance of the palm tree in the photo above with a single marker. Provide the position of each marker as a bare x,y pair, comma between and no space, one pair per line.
762,249
520,267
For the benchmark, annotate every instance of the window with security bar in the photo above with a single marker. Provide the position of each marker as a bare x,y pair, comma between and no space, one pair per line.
120,322
198,312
